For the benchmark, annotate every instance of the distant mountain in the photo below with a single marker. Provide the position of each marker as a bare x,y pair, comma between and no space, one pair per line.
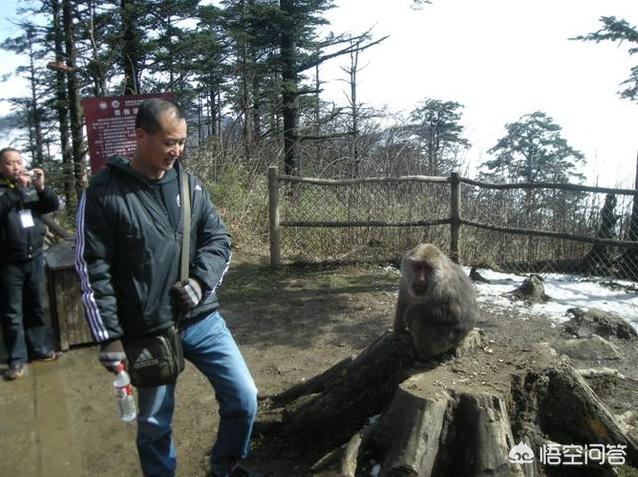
8,130
8,122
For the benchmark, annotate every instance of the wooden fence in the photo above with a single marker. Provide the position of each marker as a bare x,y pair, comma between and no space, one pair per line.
455,219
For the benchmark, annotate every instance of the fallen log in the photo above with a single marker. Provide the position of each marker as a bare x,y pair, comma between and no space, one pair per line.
339,401
336,403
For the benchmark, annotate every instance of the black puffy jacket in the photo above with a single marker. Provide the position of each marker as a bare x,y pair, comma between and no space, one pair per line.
16,242
127,254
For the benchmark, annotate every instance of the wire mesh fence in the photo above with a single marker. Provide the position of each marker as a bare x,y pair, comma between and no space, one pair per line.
314,218
602,218
377,220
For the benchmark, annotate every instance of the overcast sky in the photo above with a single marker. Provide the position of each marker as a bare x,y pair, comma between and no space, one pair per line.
499,58
502,59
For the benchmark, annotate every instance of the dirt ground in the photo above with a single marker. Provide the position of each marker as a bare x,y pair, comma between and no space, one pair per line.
291,325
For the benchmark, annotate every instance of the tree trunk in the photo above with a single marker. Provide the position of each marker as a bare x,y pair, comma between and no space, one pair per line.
62,104
35,119
598,259
79,163
317,109
220,132
290,106
212,109
245,85
633,222
630,256
257,102
354,146
97,69
131,50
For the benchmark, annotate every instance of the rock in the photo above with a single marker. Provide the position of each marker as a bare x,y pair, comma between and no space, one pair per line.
629,423
532,291
475,276
593,348
474,339
584,324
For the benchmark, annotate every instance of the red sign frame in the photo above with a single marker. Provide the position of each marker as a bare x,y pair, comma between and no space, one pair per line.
110,126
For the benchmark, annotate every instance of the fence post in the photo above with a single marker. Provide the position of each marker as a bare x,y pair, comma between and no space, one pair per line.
273,211
455,216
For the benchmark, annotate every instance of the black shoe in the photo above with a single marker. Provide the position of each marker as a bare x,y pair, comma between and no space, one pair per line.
15,371
48,356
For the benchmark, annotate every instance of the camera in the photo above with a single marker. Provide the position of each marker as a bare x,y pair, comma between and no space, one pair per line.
29,194
32,174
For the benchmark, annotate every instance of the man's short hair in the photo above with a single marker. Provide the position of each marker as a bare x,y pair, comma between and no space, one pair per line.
4,150
150,110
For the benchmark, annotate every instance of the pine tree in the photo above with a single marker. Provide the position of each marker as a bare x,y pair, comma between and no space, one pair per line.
533,150
208,53
619,31
437,126
31,112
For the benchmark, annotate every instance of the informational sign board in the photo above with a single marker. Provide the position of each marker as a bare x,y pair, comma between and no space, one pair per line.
110,126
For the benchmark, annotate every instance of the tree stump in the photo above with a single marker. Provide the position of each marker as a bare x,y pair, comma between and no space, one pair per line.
530,291
383,416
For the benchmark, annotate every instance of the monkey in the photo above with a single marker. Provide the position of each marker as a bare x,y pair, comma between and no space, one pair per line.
436,306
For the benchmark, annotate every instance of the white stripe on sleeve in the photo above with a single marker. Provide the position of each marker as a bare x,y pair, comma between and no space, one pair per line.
92,311
221,278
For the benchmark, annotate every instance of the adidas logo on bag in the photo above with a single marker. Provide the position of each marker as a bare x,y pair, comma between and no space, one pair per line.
144,359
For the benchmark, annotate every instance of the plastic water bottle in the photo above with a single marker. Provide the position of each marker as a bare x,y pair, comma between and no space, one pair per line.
124,394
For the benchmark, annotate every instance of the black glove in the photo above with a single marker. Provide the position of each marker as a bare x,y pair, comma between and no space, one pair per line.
189,293
112,354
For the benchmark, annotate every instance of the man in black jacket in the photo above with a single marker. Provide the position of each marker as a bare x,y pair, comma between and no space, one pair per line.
129,231
23,199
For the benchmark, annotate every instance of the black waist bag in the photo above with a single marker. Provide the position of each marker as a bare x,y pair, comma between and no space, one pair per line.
155,360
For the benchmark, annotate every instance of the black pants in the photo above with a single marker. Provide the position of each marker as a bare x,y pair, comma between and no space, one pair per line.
21,312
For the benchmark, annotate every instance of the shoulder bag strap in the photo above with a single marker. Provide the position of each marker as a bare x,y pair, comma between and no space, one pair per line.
185,201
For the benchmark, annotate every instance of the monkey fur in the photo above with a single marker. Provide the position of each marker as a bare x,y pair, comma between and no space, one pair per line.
436,305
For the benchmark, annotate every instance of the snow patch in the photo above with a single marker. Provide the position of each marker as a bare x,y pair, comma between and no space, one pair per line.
566,291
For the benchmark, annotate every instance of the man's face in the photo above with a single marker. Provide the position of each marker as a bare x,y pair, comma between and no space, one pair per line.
158,152
11,165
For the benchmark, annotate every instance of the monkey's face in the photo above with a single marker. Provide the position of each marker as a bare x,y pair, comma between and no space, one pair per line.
421,276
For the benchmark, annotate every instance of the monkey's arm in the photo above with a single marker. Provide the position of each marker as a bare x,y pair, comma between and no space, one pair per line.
437,326
402,304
